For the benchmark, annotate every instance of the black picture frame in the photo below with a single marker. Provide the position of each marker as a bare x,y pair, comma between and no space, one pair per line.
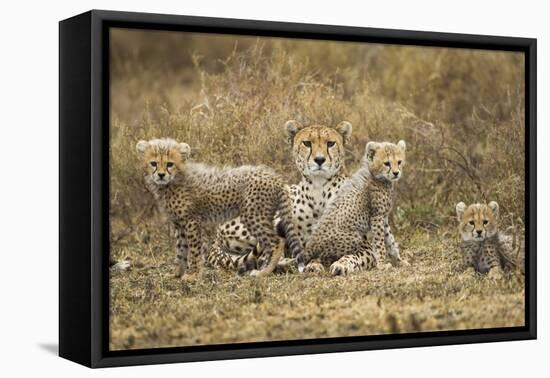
84,192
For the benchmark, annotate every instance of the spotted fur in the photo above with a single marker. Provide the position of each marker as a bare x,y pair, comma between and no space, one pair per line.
363,206
484,247
318,153
196,195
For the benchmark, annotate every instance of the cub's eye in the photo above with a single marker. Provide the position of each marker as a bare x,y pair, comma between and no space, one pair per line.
485,221
471,222
399,162
307,143
331,143
169,164
387,163
153,163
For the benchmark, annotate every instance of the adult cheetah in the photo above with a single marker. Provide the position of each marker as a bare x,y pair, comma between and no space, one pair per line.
318,153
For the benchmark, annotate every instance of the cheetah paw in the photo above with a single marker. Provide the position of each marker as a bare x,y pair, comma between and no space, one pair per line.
190,277
403,263
121,266
337,269
179,272
314,267
495,274
254,273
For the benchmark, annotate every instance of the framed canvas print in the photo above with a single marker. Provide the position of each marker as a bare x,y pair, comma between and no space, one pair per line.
233,188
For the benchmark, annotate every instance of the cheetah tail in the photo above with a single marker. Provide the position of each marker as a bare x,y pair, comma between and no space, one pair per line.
217,257
287,225
278,252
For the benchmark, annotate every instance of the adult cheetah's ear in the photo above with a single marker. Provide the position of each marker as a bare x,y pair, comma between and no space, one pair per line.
344,128
292,127
460,208
494,207
185,151
370,150
141,146
401,144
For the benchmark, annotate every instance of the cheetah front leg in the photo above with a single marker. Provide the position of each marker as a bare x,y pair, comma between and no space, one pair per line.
195,257
378,240
392,248
490,261
181,252
468,263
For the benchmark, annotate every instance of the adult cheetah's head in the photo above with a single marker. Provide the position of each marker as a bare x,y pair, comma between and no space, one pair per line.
385,160
318,151
162,158
477,221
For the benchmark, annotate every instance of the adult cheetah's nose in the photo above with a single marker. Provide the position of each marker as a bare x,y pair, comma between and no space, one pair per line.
319,160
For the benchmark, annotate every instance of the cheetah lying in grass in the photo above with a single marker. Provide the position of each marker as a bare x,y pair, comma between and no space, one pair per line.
195,195
484,247
363,205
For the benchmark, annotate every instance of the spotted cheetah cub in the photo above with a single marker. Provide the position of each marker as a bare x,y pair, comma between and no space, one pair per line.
197,197
484,247
363,205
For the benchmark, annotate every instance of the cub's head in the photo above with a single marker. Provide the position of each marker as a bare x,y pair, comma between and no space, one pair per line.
478,221
318,151
385,160
162,158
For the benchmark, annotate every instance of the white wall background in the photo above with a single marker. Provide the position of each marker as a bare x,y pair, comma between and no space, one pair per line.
29,189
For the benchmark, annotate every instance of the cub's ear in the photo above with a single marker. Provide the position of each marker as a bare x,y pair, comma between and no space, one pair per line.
344,128
494,207
370,150
401,144
185,151
141,146
460,208
292,127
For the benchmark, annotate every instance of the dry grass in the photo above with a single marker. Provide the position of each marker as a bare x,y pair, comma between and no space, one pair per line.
149,308
460,111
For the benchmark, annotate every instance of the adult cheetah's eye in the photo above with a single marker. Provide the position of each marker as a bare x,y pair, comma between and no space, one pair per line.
387,163
485,221
169,164
153,163
307,143
331,143
399,162
471,222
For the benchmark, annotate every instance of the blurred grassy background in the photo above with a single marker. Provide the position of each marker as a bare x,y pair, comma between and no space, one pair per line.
460,111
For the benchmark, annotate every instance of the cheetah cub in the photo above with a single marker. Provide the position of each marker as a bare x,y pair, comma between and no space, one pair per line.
197,197
363,205
484,247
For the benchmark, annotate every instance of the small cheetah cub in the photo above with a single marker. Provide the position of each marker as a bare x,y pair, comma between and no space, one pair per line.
363,206
485,248
197,197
